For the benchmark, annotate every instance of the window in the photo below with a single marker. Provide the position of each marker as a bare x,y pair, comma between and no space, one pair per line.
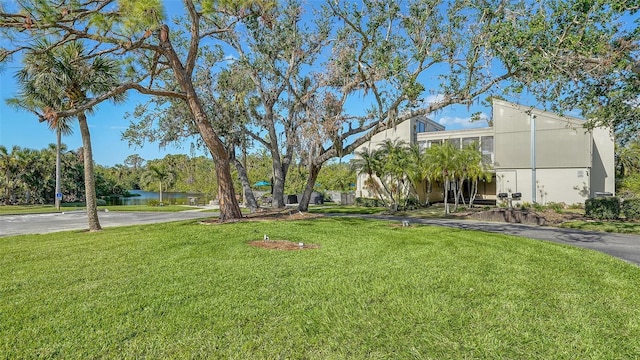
421,126
455,142
486,146
430,143
468,141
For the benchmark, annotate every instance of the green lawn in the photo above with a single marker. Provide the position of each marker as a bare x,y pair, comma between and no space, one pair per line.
372,290
30,209
624,227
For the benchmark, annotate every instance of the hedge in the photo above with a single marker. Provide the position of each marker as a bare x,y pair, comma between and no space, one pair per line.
604,208
631,209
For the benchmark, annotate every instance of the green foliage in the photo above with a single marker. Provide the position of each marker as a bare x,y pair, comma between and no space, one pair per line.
369,202
604,208
138,16
557,207
631,209
153,202
538,207
629,186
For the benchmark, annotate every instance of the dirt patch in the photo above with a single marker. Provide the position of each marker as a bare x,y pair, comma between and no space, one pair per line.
282,245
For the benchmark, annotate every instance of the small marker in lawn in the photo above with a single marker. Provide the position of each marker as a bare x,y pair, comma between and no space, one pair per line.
266,237
301,245
405,223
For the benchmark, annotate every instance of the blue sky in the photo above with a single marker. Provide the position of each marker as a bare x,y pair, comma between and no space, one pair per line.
108,122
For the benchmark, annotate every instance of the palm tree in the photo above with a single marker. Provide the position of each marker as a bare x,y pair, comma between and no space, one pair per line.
444,166
9,167
368,162
627,159
418,171
160,174
62,79
396,161
472,169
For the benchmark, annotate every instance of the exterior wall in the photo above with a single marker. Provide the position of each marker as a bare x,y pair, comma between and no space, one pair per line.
567,185
560,142
603,170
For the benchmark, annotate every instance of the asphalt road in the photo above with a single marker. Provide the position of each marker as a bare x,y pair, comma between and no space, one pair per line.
625,247
77,220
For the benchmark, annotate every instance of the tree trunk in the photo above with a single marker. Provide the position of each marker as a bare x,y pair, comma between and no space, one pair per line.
58,168
89,175
279,179
446,193
229,208
473,192
249,199
303,204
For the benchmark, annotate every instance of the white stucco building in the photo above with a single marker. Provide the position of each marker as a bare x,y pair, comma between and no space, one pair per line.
543,156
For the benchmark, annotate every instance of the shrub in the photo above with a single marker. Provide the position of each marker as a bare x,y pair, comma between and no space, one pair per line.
368,202
576,206
605,208
557,207
101,202
412,204
631,209
538,207
153,202
525,205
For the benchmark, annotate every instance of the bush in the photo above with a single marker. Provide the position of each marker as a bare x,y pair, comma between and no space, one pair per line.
367,202
538,207
557,207
525,205
631,209
412,204
101,202
605,208
576,206
153,202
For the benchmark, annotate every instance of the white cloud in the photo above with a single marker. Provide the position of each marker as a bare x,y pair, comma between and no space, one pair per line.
230,58
432,99
454,122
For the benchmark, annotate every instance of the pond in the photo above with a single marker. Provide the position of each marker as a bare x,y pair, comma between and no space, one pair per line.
142,197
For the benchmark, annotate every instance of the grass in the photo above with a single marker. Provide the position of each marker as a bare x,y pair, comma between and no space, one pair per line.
27,209
622,227
184,290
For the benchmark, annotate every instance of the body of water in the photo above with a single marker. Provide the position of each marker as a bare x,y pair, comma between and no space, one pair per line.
143,198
